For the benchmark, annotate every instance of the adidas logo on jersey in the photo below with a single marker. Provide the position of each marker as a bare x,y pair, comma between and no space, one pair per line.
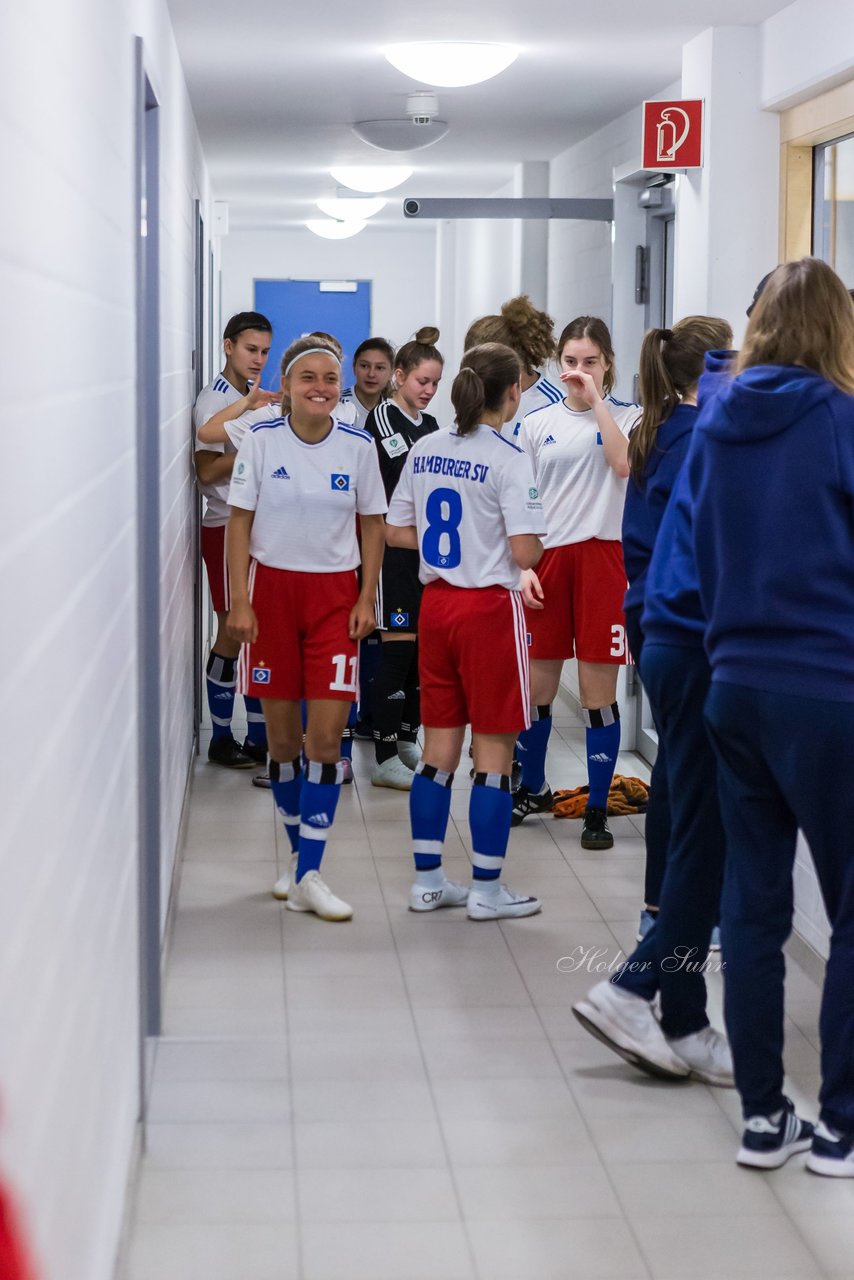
549,440
280,474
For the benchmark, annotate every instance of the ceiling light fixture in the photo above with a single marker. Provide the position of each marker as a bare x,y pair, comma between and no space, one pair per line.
449,63
419,128
351,208
380,177
330,230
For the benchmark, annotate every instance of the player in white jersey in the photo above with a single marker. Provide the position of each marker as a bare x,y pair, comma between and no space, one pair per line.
530,333
298,484
395,425
373,361
468,502
246,343
574,603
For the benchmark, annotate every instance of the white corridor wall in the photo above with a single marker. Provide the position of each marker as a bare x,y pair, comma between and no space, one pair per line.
69,1006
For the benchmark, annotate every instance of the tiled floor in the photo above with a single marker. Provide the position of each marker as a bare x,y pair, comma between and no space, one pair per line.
409,1098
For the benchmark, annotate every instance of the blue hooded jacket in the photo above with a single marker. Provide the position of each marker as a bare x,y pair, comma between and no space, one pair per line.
672,611
772,479
645,502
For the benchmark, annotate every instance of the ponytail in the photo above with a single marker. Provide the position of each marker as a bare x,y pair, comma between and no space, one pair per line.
671,361
486,374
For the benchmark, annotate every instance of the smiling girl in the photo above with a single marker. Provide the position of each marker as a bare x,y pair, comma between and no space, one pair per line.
296,605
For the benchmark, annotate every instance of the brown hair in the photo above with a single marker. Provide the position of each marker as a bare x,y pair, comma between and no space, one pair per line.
486,371
597,331
327,339
671,361
421,348
804,316
376,344
520,326
308,342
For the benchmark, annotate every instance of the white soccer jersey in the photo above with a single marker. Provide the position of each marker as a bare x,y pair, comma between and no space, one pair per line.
210,400
306,496
539,395
582,497
351,409
466,495
236,429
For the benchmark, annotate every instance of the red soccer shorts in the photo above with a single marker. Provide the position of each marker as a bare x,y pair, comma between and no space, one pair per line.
303,649
216,563
473,659
583,589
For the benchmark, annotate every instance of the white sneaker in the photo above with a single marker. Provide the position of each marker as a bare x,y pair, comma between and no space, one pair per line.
392,773
312,893
627,1024
707,1053
282,886
409,753
449,894
503,905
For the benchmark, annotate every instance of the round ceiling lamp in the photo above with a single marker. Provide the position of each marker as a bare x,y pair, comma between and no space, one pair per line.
400,135
451,63
351,209
371,179
330,230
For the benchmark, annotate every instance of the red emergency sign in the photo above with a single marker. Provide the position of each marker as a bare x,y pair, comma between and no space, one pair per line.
673,134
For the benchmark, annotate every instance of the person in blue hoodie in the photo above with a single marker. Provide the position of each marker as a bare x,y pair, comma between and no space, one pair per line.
667,627
671,361
773,485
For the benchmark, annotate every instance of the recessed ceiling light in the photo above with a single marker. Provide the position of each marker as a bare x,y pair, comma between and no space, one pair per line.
381,177
335,230
349,209
451,63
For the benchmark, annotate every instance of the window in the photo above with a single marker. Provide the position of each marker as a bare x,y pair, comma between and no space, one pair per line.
833,206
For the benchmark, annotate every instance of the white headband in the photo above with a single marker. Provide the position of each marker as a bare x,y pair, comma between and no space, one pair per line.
323,351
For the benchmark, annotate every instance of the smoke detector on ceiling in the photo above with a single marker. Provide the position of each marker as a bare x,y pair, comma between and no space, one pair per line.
419,129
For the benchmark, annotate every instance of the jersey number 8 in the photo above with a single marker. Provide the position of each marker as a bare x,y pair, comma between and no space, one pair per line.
440,546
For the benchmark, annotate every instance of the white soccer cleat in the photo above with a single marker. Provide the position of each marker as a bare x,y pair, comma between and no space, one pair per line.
410,754
282,886
392,773
312,893
708,1054
503,905
449,894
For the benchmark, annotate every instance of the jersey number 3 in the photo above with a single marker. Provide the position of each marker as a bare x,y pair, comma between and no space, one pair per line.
440,546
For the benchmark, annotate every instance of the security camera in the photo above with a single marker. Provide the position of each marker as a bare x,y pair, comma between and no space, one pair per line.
412,208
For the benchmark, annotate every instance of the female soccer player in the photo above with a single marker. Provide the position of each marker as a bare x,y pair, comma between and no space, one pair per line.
772,479
579,449
246,343
297,609
373,361
395,425
467,501
671,362
530,333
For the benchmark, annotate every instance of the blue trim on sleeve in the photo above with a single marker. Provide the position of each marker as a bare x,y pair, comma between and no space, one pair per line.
510,445
354,431
265,426
220,384
622,404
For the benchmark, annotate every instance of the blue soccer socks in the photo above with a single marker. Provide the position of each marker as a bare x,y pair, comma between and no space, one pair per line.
429,810
256,729
286,785
490,808
319,799
221,683
532,746
603,744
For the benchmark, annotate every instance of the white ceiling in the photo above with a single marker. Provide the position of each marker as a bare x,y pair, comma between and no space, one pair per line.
275,88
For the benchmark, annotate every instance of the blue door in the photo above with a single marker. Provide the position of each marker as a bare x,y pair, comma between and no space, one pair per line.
294,307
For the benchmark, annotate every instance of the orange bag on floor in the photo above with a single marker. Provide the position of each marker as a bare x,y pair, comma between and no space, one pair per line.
627,796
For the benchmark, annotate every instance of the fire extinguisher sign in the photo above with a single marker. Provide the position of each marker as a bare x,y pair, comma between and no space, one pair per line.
673,135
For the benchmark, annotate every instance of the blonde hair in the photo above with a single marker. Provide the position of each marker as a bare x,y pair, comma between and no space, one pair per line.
671,361
422,347
520,326
309,342
804,316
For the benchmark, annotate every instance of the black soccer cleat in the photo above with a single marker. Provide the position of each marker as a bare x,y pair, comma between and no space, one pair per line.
230,754
526,802
257,751
595,833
